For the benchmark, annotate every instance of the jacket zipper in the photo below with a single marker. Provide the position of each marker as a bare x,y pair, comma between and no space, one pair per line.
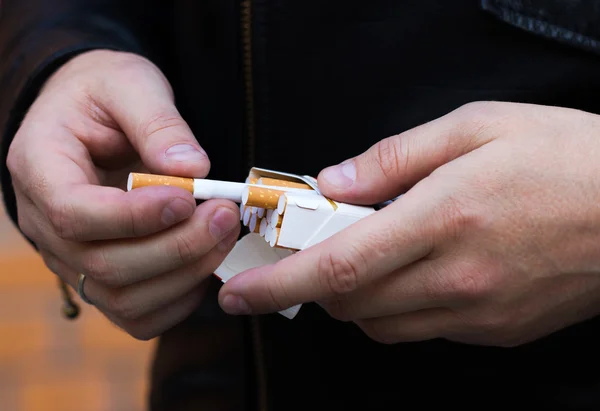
246,22
248,79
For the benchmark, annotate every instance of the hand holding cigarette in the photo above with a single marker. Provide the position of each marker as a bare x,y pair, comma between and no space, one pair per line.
146,254
494,242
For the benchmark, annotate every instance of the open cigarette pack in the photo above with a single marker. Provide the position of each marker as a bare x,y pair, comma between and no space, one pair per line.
287,215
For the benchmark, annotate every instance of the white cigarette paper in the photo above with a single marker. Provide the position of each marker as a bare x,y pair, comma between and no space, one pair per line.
247,215
254,221
263,227
204,189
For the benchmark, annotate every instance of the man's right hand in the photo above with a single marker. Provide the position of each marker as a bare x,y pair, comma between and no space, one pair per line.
146,253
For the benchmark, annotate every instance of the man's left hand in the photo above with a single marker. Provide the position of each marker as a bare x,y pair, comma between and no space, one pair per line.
496,240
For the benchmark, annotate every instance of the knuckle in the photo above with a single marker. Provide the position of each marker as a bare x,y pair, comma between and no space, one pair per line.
132,69
477,109
95,264
467,283
476,118
135,221
472,107
456,217
452,216
471,286
339,272
278,293
121,305
185,249
391,156
130,224
62,218
163,120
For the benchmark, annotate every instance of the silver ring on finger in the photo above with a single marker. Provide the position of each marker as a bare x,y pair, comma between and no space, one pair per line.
80,284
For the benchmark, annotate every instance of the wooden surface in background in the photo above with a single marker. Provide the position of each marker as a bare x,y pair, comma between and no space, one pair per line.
48,363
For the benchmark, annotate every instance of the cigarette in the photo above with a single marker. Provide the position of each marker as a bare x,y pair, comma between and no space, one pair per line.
263,227
256,196
281,204
251,180
261,212
274,236
269,214
202,189
247,215
282,183
242,210
137,180
276,220
254,224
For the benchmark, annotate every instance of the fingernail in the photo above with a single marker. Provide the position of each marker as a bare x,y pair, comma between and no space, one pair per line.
234,305
176,211
341,176
224,220
185,153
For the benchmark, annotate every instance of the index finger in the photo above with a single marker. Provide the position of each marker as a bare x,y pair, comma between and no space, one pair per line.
358,255
57,174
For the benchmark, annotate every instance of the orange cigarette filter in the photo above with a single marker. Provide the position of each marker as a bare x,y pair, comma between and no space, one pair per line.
276,220
262,197
145,180
282,183
274,236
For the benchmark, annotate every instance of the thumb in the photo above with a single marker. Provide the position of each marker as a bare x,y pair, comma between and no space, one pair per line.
393,165
141,102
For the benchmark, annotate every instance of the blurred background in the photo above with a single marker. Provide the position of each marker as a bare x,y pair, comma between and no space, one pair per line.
48,363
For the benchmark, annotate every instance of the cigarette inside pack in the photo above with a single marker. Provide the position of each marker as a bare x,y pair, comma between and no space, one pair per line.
293,219
264,201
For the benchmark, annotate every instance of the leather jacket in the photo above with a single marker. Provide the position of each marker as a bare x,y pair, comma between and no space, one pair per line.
297,86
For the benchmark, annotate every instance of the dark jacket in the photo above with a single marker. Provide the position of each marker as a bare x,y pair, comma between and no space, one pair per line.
321,81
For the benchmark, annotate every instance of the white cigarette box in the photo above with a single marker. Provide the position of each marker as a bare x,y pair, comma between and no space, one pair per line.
305,220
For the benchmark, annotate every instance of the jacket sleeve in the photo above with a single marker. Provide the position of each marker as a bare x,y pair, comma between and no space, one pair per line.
38,36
